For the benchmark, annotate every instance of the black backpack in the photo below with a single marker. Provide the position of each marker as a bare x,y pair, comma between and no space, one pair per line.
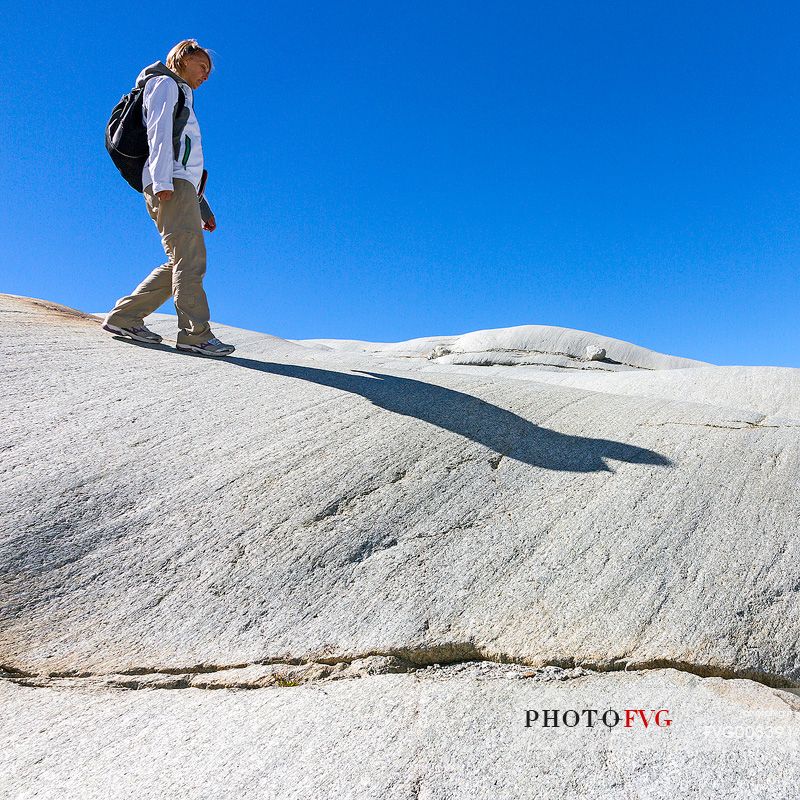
126,134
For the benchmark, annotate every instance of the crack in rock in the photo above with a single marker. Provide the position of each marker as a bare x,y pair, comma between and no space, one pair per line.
523,353
343,504
494,461
447,660
286,674
743,425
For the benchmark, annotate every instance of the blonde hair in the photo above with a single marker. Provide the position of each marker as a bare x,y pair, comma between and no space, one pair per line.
176,58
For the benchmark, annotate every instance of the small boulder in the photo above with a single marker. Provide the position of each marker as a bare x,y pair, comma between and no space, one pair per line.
593,353
438,351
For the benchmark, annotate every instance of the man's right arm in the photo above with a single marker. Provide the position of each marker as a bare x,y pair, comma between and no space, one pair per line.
160,97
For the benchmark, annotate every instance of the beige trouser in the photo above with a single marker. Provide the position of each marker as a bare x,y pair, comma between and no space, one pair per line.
181,228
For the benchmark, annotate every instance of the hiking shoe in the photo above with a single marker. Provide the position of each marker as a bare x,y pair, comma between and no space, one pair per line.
213,347
140,333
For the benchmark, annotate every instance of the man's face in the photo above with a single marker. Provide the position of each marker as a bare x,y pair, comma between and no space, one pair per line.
195,69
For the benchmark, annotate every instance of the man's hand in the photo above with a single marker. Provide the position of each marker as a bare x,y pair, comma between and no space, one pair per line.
210,224
164,195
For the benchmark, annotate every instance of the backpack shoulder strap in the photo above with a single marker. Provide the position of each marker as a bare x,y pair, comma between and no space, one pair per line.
180,116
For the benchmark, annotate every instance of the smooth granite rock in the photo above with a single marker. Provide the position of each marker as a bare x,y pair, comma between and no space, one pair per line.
457,732
347,509
562,347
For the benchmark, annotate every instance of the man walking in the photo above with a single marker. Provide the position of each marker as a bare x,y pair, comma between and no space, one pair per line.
171,179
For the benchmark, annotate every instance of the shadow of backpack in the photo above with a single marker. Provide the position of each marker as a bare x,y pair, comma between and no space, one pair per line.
126,134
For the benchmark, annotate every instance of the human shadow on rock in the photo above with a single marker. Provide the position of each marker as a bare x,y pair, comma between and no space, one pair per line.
502,431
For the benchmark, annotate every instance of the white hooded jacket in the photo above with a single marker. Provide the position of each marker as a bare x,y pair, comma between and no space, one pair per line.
169,159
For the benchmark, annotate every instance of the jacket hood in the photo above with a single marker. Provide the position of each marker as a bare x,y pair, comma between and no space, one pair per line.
159,68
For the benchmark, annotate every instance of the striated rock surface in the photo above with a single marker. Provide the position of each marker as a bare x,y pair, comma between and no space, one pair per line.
434,735
311,512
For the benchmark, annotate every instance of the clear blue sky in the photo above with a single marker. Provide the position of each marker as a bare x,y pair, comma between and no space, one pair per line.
384,171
